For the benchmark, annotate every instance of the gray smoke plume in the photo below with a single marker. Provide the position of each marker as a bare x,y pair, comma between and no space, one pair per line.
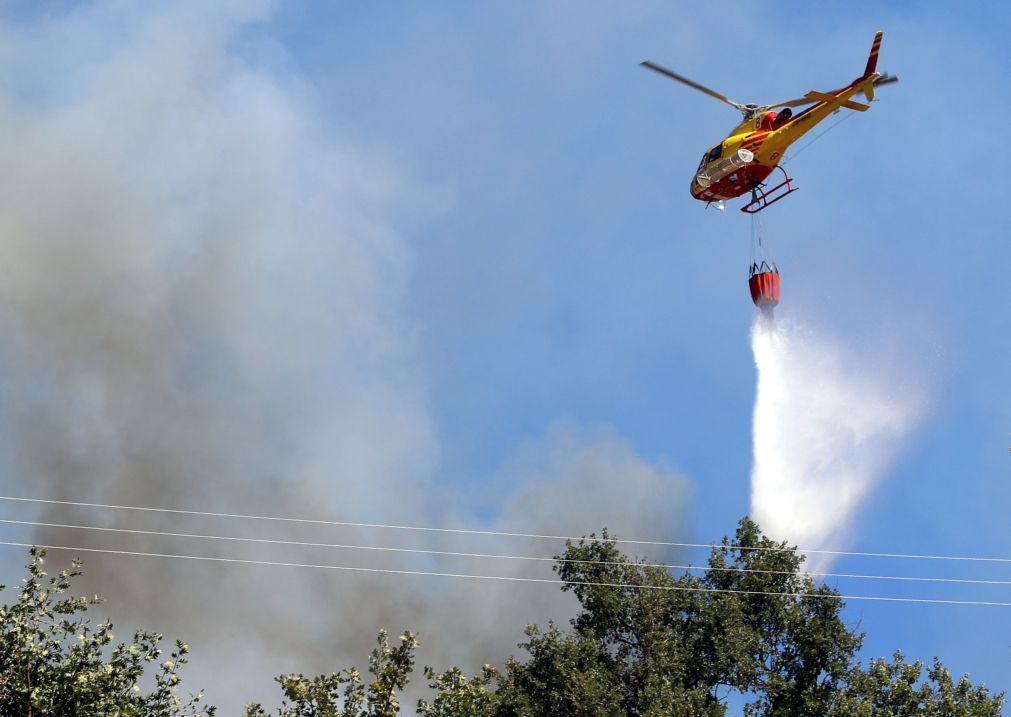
201,304
200,297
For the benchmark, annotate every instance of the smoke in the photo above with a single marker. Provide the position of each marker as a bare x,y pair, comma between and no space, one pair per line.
573,481
827,424
568,482
202,304
200,292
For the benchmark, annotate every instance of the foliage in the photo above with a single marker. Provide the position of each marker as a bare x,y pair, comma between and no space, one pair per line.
648,644
644,643
342,694
894,689
563,676
54,662
456,695
796,649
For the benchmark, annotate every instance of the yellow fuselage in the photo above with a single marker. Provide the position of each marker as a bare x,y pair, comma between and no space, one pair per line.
756,146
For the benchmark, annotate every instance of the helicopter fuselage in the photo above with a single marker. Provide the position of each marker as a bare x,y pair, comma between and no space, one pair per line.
755,147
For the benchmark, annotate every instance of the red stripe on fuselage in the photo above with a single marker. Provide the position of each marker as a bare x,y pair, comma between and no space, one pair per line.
754,140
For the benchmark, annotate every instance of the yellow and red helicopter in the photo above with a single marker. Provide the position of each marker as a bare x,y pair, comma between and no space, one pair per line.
754,149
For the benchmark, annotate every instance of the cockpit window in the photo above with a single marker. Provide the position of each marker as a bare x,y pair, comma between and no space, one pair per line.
711,156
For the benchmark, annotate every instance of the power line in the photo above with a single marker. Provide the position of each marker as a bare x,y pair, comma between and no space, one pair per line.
392,571
497,533
498,556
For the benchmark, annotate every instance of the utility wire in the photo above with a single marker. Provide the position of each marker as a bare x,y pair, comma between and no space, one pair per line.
498,556
391,571
497,533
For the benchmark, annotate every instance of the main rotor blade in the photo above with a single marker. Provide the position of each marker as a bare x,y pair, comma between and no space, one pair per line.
694,85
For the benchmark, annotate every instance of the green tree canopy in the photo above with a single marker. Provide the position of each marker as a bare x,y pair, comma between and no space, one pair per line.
751,629
648,644
752,624
343,694
55,662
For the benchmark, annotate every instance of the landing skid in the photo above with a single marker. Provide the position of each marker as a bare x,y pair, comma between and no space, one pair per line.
762,198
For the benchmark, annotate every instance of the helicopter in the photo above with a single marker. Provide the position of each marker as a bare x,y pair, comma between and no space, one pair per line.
754,149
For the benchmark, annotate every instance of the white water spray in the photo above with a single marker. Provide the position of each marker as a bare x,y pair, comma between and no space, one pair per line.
827,425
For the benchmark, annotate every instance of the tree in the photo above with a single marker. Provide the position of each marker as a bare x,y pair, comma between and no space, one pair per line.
797,650
563,676
894,689
752,624
647,631
342,694
647,644
644,643
54,662
456,695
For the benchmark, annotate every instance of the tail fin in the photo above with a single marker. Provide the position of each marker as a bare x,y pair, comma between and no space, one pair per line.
867,87
872,59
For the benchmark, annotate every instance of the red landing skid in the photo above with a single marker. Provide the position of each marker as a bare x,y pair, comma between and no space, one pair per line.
760,198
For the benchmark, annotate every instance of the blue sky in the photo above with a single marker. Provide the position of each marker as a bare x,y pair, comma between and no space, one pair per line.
534,264
575,278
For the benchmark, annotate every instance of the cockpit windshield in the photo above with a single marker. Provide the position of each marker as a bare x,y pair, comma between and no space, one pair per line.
711,156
